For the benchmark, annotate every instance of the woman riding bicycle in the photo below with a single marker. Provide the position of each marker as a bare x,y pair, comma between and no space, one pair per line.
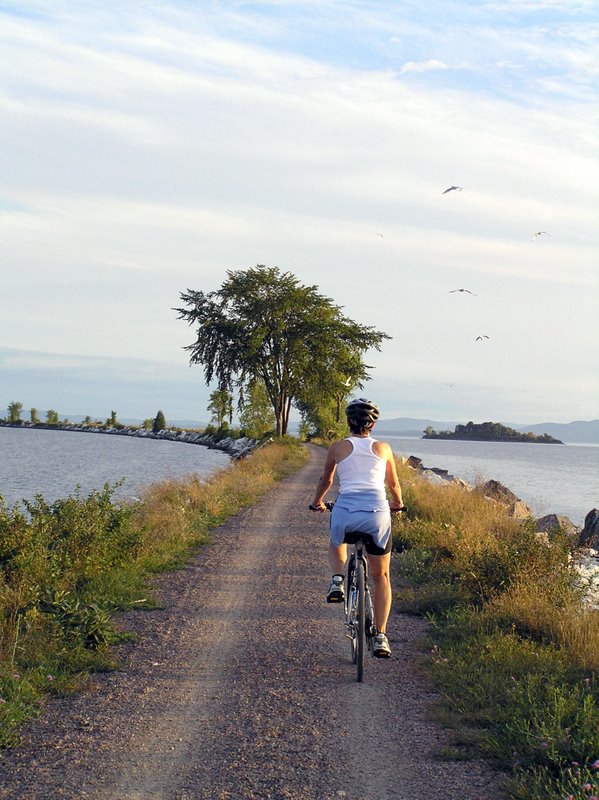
363,465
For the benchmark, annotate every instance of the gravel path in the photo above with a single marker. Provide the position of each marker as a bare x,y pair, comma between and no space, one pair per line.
241,688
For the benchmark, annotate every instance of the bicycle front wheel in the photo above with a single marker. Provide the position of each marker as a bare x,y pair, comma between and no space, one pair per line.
360,621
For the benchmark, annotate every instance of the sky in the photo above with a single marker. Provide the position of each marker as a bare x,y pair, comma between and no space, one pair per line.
149,147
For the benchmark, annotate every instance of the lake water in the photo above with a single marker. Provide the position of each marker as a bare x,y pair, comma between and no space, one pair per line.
559,479
52,463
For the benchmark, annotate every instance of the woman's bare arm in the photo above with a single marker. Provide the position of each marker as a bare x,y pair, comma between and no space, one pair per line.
393,481
326,479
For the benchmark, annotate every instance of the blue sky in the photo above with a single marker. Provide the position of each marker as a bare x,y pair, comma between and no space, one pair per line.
149,147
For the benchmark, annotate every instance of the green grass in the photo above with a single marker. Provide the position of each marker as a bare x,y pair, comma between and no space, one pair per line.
513,651
67,567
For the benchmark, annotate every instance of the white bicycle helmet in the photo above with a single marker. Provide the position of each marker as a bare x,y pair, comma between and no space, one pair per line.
362,411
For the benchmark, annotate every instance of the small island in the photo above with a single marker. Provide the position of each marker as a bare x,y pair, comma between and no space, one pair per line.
489,432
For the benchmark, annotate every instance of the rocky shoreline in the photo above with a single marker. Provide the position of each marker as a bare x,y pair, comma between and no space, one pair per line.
584,541
236,448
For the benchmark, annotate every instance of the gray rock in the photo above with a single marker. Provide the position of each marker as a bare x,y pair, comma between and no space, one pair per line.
589,535
462,483
501,494
414,462
432,477
551,523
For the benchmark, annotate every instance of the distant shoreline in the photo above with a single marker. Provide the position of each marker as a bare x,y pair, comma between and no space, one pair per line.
236,448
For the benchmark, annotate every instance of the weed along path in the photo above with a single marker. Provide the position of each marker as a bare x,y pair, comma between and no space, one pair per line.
240,688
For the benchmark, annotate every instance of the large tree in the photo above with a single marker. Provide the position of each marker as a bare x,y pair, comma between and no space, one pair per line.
263,324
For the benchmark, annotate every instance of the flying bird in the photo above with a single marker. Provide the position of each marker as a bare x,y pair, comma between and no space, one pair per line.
484,336
381,235
540,233
451,291
347,382
453,189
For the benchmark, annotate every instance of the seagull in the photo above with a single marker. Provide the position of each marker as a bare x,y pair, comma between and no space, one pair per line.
347,382
453,189
540,233
381,235
451,291
484,336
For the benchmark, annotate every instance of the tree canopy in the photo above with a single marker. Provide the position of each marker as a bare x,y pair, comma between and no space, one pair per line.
264,325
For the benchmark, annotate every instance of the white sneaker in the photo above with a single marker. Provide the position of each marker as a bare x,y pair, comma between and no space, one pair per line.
380,646
336,594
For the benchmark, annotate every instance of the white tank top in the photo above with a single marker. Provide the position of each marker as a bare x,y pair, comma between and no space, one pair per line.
362,470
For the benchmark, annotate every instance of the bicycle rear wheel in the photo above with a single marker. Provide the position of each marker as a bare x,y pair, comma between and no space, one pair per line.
351,609
360,621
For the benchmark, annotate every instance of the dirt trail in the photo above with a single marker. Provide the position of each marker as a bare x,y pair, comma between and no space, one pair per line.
241,689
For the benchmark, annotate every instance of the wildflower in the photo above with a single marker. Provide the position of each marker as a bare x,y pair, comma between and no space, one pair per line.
595,764
543,745
50,677
2,701
16,676
587,787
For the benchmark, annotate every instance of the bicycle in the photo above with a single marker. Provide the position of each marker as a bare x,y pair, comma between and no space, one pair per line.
358,608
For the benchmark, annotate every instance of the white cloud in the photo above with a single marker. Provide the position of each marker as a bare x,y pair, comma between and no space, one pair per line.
423,66
151,158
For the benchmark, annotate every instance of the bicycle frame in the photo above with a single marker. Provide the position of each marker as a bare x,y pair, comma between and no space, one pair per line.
359,613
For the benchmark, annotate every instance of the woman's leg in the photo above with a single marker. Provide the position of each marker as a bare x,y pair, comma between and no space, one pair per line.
379,570
337,558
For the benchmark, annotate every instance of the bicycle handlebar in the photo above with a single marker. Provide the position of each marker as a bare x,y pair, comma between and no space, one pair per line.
329,507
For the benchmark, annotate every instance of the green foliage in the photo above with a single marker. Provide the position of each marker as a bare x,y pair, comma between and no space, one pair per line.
52,417
112,421
325,395
515,652
489,431
532,714
256,416
65,567
263,325
14,411
221,406
34,416
159,422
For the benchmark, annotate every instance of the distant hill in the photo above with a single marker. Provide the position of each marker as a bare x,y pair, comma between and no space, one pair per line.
580,431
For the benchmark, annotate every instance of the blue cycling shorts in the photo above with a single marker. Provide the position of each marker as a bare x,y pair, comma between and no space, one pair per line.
377,523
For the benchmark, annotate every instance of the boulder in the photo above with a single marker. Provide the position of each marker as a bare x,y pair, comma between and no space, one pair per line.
551,523
414,462
589,535
496,491
462,483
432,477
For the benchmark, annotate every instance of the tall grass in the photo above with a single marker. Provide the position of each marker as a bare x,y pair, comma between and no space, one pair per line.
514,651
68,566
